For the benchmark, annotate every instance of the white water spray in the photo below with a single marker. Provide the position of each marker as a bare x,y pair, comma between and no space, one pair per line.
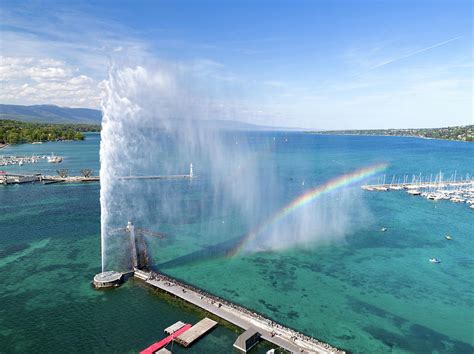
155,122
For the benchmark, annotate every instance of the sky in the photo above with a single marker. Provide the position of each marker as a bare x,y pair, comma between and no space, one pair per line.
335,64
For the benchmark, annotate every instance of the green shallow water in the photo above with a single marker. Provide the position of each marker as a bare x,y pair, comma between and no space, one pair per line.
372,292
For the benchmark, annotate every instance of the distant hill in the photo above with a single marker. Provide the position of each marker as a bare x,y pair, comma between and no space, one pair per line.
50,114
236,125
65,115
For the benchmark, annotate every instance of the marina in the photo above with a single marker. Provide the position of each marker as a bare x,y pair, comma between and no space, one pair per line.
456,191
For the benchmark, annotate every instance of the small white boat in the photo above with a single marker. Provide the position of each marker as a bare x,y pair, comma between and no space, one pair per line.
447,237
383,229
381,188
434,260
414,192
55,159
396,188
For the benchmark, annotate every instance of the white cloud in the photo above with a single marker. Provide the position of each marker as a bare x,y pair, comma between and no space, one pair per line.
28,80
62,58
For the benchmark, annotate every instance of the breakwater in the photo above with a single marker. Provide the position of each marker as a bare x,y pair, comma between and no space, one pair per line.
271,331
12,178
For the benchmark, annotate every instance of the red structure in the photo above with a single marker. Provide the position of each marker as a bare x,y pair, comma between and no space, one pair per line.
158,345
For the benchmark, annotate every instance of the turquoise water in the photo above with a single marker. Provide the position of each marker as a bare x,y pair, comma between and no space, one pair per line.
369,292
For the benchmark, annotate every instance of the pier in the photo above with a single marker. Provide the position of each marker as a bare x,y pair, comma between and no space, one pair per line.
12,178
269,330
62,177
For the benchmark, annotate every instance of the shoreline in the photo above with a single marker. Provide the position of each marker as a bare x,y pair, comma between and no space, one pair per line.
3,146
393,136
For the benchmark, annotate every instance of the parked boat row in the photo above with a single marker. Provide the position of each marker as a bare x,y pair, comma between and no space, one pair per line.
454,190
21,160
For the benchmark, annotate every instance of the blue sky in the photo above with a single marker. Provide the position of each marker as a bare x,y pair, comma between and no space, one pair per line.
314,64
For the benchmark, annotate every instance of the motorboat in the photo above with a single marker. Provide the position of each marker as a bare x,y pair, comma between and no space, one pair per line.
55,159
414,192
447,237
434,260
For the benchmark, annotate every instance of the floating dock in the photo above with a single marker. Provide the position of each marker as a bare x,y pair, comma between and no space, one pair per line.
162,343
195,332
269,330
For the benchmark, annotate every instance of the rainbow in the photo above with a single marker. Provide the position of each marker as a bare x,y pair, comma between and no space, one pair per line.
306,198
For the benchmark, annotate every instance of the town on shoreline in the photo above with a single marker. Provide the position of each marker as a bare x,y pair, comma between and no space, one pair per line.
458,133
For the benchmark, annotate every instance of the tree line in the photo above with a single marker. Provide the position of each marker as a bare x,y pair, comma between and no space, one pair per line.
14,132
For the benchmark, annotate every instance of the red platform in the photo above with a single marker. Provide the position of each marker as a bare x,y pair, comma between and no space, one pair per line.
158,345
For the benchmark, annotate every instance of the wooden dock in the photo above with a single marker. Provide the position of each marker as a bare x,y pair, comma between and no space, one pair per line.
273,332
195,332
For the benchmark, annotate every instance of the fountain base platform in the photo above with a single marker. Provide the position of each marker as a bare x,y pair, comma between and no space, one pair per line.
108,279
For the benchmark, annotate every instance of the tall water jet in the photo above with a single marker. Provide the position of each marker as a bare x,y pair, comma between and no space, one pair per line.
154,122
159,118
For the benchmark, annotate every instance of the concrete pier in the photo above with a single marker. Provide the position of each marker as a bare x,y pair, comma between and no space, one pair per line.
10,178
269,330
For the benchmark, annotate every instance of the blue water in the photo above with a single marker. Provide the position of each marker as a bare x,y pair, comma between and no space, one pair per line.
369,292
